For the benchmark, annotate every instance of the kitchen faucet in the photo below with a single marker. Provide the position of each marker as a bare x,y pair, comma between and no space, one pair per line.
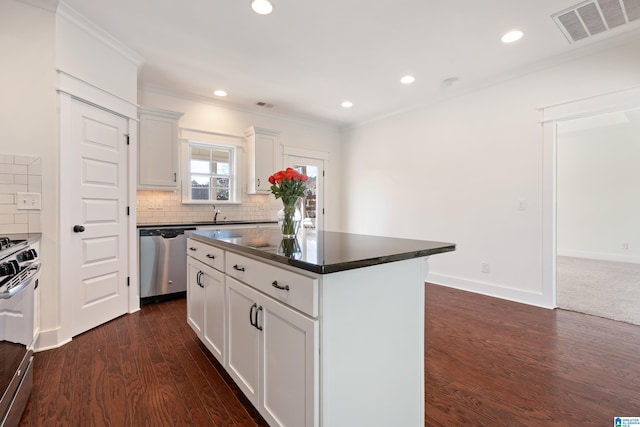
215,213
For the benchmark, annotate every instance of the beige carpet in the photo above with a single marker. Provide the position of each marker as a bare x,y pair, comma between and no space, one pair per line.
602,288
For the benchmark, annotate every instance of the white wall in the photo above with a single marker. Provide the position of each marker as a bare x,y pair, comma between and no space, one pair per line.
34,43
100,70
211,116
598,183
457,171
29,121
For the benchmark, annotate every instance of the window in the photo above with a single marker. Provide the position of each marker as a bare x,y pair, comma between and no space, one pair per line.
210,173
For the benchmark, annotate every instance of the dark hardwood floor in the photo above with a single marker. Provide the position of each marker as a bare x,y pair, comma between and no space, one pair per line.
142,369
488,362
491,362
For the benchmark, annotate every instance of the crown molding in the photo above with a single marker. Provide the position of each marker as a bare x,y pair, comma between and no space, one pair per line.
575,53
50,5
67,12
189,96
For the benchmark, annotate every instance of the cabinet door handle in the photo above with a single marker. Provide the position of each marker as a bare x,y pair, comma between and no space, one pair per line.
282,288
258,182
254,324
258,325
210,256
193,249
198,277
236,267
175,177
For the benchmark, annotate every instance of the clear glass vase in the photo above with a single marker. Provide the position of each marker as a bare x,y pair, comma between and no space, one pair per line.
290,248
289,218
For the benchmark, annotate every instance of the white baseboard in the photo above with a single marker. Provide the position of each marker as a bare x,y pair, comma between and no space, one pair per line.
602,256
50,339
493,290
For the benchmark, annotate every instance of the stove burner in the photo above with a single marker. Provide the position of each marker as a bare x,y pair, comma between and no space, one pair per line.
6,242
9,268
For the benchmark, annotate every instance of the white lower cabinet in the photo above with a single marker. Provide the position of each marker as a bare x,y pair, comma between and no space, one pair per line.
333,350
339,349
242,347
273,356
206,311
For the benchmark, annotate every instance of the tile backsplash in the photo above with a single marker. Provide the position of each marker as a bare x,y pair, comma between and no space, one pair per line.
19,174
165,207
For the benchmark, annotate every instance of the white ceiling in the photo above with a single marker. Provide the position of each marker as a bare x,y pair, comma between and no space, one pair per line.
309,56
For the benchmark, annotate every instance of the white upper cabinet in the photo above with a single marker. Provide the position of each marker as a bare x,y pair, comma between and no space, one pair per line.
158,166
261,155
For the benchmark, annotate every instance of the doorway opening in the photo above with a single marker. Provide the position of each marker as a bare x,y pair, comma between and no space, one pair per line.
588,187
313,208
597,211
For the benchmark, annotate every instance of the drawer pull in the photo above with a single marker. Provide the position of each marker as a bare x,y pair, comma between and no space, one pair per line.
210,256
192,249
236,267
282,288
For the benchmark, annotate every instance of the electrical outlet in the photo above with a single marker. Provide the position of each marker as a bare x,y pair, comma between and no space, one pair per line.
151,204
485,267
625,246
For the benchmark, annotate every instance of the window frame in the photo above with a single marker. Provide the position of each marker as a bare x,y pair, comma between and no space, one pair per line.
234,173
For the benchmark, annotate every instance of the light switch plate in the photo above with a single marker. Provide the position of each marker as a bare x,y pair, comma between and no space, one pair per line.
29,201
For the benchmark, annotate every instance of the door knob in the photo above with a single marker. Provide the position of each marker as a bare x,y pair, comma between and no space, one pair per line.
78,228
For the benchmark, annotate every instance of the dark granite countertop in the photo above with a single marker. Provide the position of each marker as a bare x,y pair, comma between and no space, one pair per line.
320,251
208,223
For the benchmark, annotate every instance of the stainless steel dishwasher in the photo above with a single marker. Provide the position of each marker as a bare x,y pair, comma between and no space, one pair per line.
163,263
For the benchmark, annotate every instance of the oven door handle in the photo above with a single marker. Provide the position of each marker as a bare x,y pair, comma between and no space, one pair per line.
27,277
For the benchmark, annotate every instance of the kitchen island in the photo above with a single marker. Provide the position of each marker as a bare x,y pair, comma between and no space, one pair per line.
327,330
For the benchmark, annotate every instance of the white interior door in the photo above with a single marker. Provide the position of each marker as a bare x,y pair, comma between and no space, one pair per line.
313,206
97,189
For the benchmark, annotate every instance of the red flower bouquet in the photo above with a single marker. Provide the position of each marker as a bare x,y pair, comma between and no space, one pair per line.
288,185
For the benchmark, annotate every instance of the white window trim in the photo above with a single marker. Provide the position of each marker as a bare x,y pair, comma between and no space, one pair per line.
189,136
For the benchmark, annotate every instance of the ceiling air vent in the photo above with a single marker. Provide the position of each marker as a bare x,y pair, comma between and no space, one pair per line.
264,104
593,17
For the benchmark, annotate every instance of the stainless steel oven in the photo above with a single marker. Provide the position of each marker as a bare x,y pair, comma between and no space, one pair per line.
19,278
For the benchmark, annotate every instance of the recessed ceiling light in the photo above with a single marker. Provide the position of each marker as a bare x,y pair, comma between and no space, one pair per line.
512,36
407,80
262,7
347,104
220,92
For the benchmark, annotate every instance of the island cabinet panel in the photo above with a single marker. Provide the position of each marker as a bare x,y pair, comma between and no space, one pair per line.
242,348
372,346
296,290
317,343
195,297
213,334
289,366
206,254
206,306
272,356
